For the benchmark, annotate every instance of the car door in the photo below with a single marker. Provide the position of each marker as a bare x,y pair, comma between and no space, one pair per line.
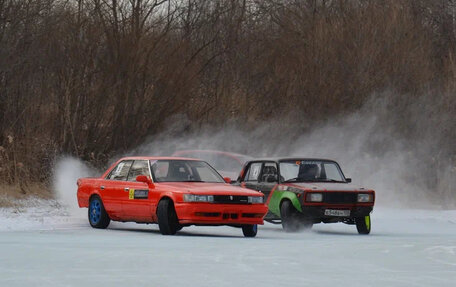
136,205
252,175
111,189
268,178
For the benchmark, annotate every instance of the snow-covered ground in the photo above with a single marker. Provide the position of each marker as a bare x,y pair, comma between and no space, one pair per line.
45,246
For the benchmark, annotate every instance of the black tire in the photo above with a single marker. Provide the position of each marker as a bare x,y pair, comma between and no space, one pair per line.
250,230
167,217
363,224
289,215
98,217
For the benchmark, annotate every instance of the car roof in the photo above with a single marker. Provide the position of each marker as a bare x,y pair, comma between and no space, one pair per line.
157,158
211,151
289,158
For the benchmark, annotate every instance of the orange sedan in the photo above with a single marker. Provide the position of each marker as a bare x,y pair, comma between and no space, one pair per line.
173,192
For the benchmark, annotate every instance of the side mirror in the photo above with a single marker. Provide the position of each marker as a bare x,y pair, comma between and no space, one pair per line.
227,179
348,180
145,179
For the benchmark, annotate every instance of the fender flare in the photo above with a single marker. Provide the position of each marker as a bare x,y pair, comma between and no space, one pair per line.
293,198
279,196
93,193
166,195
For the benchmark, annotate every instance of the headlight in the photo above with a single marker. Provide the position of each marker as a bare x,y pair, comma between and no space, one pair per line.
198,198
314,197
365,197
256,199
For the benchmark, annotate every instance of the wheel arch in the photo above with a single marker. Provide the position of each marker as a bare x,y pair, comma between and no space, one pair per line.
93,194
165,196
293,198
279,196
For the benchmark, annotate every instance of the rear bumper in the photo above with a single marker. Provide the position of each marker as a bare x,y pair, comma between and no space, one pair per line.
220,214
83,200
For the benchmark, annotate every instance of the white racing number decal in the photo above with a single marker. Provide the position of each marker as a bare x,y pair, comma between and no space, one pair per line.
256,171
138,194
116,171
119,167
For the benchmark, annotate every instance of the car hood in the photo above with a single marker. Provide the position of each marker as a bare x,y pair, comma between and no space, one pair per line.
231,174
328,186
208,188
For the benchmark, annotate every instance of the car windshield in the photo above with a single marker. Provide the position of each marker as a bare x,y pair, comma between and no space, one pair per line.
310,171
183,171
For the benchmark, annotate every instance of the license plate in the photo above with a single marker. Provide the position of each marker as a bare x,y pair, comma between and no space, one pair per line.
337,212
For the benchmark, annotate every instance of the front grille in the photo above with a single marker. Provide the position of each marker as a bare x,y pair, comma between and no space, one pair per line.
231,199
252,215
230,215
340,197
208,214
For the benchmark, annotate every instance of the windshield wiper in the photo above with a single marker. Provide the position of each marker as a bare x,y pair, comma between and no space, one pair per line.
300,180
333,180
312,180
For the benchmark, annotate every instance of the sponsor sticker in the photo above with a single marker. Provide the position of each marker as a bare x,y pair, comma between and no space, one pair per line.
141,194
138,193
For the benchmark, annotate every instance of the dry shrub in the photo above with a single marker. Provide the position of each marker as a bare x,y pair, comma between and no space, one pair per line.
11,195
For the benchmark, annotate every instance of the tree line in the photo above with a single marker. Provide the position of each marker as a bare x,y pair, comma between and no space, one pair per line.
92,78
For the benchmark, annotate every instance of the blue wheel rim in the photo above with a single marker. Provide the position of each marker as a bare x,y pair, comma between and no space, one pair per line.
255,228
95,211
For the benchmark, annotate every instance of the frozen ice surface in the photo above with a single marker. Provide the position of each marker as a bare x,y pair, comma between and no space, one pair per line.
46,246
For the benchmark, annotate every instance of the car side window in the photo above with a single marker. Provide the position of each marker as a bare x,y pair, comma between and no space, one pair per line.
269,172
139,167
253,172
120,172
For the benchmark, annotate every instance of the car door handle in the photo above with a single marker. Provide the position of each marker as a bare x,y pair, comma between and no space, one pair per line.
127,189
102,187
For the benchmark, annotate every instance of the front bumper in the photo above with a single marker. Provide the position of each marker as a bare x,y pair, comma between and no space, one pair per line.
319,211
220,214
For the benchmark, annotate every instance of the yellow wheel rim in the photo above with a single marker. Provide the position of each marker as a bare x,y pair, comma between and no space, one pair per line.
368,222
